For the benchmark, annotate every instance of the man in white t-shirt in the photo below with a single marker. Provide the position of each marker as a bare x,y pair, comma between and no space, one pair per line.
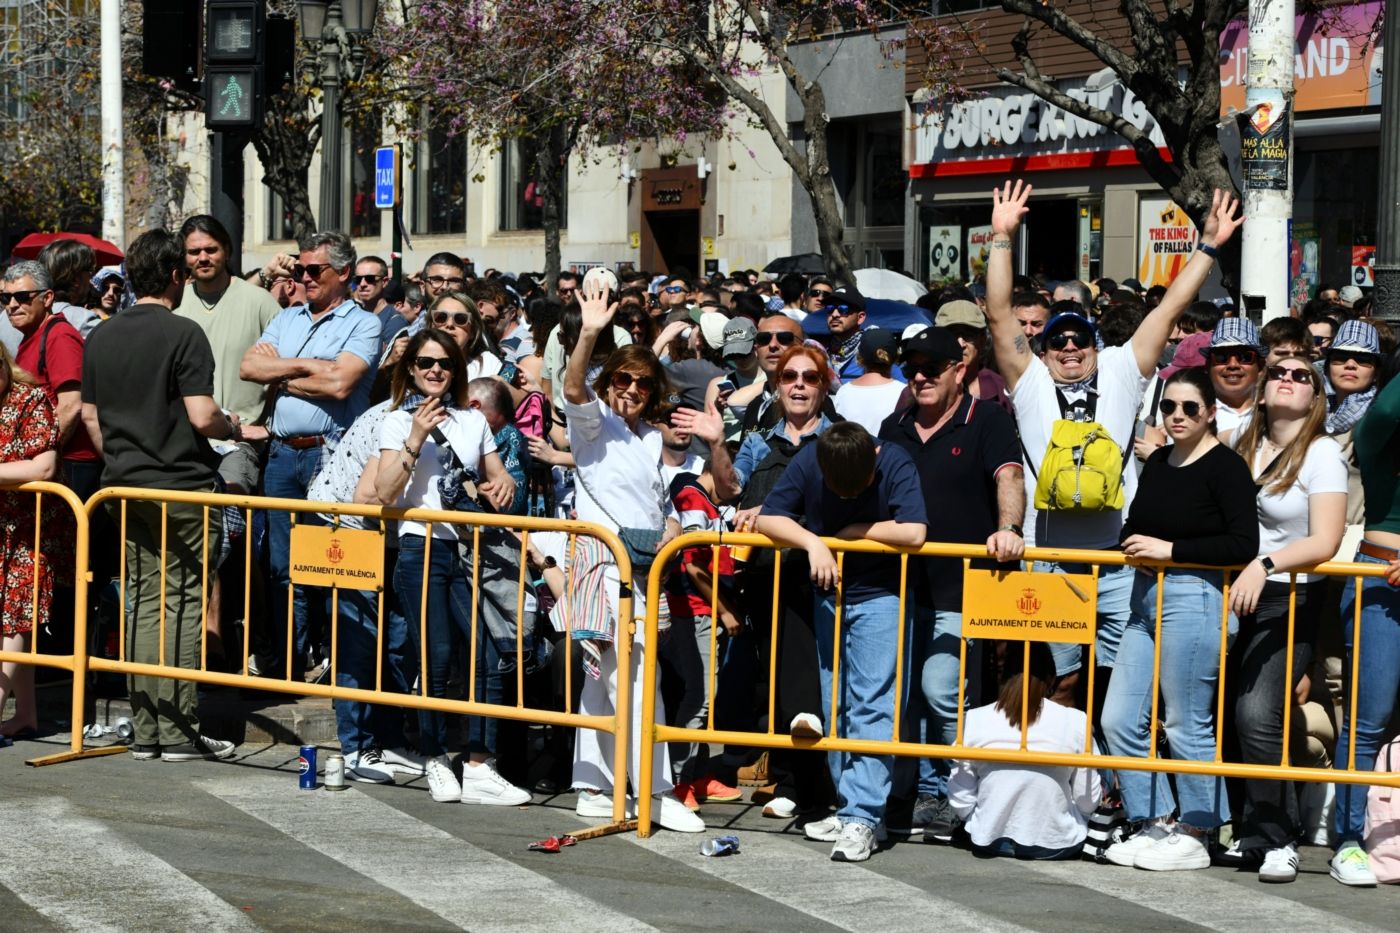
1107,384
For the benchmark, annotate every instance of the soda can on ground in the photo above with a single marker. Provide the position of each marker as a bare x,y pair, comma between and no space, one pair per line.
306,766
334,778
723,845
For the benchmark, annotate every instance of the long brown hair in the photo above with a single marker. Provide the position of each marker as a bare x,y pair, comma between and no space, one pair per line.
1040,683
1284,472
402,383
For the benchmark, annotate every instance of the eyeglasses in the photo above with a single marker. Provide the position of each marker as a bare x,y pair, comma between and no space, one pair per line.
1297,374
426,363
1353,356
1319,340
313,269
438,281
1219,356
842,310
460,318
808,377
623,380
673,289
1062,338
357,280
1168,407
23,298
785,338
929,371
818,292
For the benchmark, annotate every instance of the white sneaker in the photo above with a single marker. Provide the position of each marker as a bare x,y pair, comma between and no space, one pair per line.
1179,851
805,726
367,767
675,816
1280,865
855,843
403,761
442,783
1352,867
1125,853
482,783
595,804
780,808
826,830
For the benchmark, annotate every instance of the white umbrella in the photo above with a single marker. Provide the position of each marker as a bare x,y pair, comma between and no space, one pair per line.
889,285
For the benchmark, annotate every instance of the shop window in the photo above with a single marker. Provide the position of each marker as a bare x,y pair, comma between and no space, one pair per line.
440,191
363,137
868,171
1335,203
279,219
522,206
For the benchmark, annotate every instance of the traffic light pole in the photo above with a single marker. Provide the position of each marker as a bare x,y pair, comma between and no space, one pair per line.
226,181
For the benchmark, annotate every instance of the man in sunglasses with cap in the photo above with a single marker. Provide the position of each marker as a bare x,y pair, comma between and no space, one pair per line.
844,308
1236,362
1074,380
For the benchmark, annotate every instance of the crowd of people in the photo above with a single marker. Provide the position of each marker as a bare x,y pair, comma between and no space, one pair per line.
1069,415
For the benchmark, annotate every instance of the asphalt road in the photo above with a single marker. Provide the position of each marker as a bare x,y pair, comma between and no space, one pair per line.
116,844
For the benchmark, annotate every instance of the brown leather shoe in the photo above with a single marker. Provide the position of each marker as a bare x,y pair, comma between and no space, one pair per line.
763,794
756,774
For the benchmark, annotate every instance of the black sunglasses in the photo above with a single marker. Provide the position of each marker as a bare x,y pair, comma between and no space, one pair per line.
366,279
1297,374
1359,357
842,310
785,338
673,289
1168,407
1221,355
313,269
23,298
929,371
818,292
460,318
1061,339
426,363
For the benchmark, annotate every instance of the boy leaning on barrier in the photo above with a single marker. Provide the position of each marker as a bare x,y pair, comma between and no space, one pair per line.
849,489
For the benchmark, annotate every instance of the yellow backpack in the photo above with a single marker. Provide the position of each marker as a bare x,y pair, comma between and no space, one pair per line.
1082,469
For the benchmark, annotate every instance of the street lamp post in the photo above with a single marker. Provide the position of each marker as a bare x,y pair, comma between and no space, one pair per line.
332,29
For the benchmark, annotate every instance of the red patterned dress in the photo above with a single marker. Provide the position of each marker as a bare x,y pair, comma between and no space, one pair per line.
28,428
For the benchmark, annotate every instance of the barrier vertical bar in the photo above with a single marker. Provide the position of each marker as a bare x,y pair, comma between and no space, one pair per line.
622,711
1220,676
247,584
476,609
291,605
1025,691
836,643
962,669
204,590
38,563
379,639
1288,664
520,622
164,570
710,689
335,629
1355,677
1156,667
773,640
1096,569
899,645
121,584
423,607
568,635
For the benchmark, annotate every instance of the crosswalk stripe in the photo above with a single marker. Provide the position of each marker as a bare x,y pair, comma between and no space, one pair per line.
801,875
1197,898
134,890
462,883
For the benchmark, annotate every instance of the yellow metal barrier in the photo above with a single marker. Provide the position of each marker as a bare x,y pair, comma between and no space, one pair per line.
653,731
119,501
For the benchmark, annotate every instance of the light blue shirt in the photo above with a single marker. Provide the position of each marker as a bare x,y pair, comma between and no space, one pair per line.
347,328
755,448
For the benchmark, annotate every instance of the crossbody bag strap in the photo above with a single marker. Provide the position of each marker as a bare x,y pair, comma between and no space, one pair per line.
578,476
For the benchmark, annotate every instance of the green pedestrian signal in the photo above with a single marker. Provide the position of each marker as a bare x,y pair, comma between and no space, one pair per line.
232,96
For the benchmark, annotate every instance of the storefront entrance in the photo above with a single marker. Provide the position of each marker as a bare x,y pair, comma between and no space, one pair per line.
1052,240
670,220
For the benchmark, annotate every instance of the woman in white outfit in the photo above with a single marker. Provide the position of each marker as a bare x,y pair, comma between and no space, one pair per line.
618,485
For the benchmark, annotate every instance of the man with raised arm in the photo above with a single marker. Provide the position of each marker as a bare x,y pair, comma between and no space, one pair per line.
1076,382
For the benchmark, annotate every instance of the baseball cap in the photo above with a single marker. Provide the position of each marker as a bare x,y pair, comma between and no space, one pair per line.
962,312
1235,332
739,336
911,331
1071,319
712,326
1350,295
845,295
1357,336
936,343
1134,284
875,339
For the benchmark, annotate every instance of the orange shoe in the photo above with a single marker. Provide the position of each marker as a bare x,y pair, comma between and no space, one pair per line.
685,793
709,790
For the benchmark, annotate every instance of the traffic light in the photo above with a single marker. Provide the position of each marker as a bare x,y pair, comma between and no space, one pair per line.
170,42
234,38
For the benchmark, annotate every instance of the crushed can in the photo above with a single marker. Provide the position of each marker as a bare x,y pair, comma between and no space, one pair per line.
306,766
724,845
334,777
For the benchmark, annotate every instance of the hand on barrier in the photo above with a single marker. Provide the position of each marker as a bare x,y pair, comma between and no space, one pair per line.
1246,587
823,563
746,519
1392,573
1142,547
1006,545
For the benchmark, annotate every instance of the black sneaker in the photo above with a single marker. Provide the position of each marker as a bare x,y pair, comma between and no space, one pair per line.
924,810
943,823
202,747
145,752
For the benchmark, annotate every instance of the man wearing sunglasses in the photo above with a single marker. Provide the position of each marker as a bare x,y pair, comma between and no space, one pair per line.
1075,380
1236,362
318,361
672,296
844,307
370,278
817,291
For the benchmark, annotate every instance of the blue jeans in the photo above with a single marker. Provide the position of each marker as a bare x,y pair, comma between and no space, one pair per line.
288,474
1191,606
449,617
869,629
1113,609
1375,692
361,726
933,710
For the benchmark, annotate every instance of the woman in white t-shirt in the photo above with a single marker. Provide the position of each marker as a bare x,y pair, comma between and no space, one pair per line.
1025,811
456,314
1302,478
869,399
428,401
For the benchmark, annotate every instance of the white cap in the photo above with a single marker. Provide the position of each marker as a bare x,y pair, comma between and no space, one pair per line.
712,325
911,330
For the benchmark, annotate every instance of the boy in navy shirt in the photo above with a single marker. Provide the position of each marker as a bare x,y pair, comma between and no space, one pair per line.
844,487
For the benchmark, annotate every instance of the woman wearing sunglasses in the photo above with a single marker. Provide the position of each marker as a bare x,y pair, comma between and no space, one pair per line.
1194,505
1302,482
456,314
617,485
429,432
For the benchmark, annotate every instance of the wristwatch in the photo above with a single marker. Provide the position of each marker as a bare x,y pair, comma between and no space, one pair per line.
1267,563
1211,251
1013,528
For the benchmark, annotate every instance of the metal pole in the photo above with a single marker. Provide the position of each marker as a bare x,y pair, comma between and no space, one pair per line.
1387,269
329,216
1269,82
226,188
113,160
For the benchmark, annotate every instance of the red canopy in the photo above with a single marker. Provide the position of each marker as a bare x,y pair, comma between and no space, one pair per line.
108,254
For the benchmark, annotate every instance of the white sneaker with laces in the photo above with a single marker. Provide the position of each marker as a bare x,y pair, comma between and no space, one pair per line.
855,843
403,760
595,804
1352,867
442,783
805,726
367,767
482,783
824,830
1125,853
674,815
1280,865
1178,851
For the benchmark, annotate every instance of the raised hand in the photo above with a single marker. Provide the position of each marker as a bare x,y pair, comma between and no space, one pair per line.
1009,206
427,416
1224,218
596,303
708,425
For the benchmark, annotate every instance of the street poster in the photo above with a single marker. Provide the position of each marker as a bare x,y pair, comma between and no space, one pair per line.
1264,143
1304,252
979,245
1363,261
1166,239
944,252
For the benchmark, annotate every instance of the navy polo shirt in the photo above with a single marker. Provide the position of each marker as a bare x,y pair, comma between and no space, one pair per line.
803,496
957,467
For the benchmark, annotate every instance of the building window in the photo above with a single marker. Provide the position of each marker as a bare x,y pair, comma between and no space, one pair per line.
522,205
868,171
363,133
440,183
279,219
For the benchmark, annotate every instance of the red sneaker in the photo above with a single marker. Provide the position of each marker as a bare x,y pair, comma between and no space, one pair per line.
709,790
685,793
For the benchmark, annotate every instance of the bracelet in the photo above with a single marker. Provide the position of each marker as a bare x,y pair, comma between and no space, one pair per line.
1015,529
262,279
411,452
1208,249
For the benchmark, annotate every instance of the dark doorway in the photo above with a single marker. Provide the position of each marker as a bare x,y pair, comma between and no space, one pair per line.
674,240
1052,240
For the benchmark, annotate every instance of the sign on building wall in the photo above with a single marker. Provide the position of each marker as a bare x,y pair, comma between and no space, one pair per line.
945,252
979,244
1264,143
1166,239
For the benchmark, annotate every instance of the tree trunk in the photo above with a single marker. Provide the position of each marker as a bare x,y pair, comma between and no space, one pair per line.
551,156
826,208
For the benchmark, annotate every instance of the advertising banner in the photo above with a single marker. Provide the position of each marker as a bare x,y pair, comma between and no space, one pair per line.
1166,239
944,252
1336,63
979,244
1264,143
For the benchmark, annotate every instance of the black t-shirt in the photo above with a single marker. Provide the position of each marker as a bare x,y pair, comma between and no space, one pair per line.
958,467
138,368
1207,508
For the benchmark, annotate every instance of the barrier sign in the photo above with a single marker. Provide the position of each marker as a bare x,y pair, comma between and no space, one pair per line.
1030,606
344,557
